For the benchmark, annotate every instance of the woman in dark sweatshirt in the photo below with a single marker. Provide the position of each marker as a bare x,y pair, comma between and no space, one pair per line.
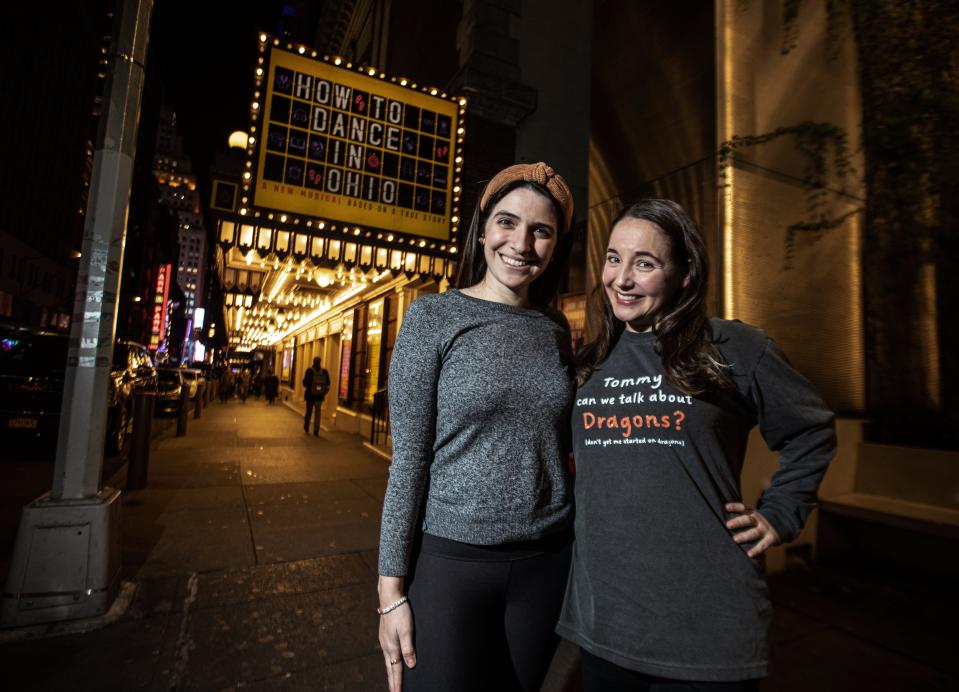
667,585
476,531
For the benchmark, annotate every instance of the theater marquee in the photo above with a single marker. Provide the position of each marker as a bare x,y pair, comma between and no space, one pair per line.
337,143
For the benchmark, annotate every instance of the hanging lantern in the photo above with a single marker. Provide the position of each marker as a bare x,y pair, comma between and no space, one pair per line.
350,251
226,236
426,265
396,261
301,246
264,241
381,259
409,264
366,258
334,248
281,244
316,250
245,241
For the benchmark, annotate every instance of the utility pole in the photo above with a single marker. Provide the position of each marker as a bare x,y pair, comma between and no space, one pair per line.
66,561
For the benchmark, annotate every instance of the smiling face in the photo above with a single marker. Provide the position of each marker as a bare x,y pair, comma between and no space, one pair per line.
518,240
640,277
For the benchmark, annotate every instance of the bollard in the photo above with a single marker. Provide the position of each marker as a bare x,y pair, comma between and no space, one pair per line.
184,410
198,400
139,459
207,389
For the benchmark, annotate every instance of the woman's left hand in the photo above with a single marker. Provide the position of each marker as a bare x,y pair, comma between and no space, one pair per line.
753,528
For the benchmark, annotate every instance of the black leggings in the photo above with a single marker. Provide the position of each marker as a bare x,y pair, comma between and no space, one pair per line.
599,675
484,616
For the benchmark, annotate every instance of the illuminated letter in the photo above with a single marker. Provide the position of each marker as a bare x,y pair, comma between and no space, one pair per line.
389,192
304,86
339,125
341,96
393,138
333,178
358,129
394,112
377,106
321,118
376,134
322,91
354,156
352,187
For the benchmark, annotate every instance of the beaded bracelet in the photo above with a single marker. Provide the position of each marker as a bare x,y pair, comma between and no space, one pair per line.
392,606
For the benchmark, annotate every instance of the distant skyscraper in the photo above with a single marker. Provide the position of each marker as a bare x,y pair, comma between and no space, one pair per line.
174,172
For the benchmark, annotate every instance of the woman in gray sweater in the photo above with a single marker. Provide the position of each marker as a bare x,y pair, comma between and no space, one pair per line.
476,529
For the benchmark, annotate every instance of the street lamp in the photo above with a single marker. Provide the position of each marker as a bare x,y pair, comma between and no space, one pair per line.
238,139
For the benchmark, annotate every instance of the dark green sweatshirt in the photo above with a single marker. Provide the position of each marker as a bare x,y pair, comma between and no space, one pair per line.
658,585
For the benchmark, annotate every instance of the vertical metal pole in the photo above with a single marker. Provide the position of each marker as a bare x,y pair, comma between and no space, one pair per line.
83,415
139,460
66,560
183,411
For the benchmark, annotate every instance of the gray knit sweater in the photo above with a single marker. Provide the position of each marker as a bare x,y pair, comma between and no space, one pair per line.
480,394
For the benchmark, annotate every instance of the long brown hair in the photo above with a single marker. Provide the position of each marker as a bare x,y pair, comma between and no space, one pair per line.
472,267
691,361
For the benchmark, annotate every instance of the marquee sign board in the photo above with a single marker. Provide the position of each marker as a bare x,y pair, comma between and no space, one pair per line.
160,294
343,145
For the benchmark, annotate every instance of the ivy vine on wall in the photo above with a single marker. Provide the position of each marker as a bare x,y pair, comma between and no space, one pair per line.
816,141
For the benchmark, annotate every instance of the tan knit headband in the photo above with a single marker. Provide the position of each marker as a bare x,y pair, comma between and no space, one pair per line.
540,173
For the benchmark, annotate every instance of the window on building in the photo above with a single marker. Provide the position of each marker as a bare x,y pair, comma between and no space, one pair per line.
374,351
346,353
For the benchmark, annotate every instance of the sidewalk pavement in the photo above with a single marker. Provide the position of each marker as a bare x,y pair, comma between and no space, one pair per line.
250,561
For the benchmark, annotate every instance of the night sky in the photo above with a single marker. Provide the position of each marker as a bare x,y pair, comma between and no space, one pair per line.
203,61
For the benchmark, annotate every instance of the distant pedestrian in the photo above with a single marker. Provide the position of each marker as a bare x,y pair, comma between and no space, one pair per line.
272,386
244,384
226,384
257,384
316,383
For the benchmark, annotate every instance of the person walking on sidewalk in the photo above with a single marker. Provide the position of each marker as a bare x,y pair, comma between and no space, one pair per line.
226,384
475,538
271,384
244,384
667,588
316,383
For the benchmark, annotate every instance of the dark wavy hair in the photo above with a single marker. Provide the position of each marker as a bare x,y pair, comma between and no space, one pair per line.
472,266
691,361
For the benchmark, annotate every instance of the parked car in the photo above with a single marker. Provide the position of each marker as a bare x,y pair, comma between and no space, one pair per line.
132,369
32,367
192,377
170,384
